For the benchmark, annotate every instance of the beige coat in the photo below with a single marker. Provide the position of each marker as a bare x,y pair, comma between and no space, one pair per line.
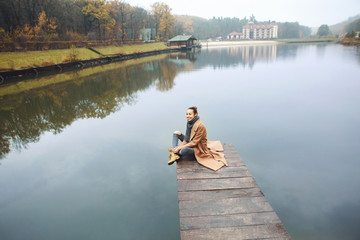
205,152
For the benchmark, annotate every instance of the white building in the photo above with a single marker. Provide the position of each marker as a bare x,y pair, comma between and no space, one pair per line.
234,36
260,31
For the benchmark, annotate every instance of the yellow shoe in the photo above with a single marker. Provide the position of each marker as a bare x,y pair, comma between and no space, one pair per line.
173,157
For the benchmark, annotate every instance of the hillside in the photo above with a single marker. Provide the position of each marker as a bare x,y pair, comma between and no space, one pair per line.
340,27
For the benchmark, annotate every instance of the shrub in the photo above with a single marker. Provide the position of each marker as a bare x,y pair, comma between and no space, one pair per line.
73,54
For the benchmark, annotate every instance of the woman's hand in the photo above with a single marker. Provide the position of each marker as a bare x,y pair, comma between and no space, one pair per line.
176,149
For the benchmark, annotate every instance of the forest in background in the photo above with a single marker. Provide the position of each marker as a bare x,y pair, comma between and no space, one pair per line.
52,20
75,20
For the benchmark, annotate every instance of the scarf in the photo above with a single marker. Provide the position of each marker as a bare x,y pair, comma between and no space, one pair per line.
189,126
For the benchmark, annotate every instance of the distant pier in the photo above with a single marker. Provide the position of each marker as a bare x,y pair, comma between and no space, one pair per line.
224,205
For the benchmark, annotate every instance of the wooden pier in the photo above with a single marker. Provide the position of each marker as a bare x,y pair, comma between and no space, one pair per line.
224,205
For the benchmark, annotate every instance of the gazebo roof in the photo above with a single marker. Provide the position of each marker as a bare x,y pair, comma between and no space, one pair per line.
179,38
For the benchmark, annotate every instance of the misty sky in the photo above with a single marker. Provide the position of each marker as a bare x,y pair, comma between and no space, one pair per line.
310,13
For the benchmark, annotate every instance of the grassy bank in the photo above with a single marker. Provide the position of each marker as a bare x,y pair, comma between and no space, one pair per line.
20,60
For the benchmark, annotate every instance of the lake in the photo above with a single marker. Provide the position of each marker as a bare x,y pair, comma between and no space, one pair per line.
84,153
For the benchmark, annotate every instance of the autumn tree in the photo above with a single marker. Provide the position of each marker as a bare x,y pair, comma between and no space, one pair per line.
44,30
99,17
119,11
115,13
167,73
183,25
163,20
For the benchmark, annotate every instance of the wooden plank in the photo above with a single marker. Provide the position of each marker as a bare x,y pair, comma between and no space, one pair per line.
217,194
268,231
213,183
231,155
232,162
234,220
197,173
229,148
193,163
225,206
195,167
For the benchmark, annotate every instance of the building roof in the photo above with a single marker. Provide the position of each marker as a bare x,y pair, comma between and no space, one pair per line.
179,38
251,25
234,33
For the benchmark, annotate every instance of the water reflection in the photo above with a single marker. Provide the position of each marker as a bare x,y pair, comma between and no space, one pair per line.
295,124
246,55
357,53
97,92
25,116
320,50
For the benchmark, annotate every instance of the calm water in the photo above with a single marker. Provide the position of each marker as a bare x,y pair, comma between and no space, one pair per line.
87,158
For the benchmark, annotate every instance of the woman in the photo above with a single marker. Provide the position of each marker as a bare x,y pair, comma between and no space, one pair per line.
194,143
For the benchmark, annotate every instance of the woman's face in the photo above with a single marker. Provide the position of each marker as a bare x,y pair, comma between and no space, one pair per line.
190,114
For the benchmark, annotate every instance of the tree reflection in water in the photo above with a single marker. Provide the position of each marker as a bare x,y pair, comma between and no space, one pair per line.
27,115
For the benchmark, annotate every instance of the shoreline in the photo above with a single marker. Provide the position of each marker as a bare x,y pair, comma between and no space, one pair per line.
237,43
227,43
11,76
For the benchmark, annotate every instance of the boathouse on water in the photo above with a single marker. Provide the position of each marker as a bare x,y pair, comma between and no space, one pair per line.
182,41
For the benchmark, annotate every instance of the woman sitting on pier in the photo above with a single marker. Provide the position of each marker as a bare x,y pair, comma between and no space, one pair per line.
194,143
